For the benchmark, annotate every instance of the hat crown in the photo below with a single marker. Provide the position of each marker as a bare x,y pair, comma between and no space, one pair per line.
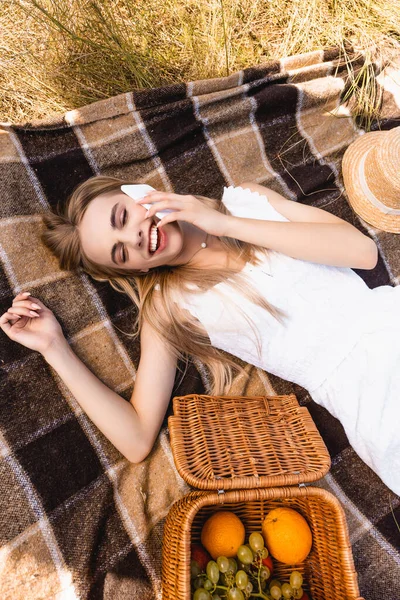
382,168
371,174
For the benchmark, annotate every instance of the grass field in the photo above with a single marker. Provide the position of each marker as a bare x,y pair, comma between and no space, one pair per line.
61,54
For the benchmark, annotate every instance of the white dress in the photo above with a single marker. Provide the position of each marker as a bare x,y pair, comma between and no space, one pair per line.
341,340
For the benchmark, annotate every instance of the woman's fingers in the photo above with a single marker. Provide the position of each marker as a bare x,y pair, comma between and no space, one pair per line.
166,204
7,316
155,196
174,216
22,295
7,320
27,304
25,299
31,299
159,197
20,310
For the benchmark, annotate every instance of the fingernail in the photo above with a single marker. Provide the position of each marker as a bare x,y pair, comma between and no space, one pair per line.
26,293
33,313
35,306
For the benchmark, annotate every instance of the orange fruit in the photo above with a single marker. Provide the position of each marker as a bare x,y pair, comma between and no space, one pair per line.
287,535
222,534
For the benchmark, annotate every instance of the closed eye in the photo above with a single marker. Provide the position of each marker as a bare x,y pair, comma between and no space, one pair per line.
123,223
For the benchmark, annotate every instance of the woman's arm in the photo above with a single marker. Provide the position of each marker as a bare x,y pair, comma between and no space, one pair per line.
131,427
313,234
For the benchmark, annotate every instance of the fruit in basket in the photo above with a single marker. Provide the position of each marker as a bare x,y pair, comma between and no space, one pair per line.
241,579
296,580
223,564
256,541
213,571
276,592
200,555
222,534
202,594
287,591
267,562
229,579
287,535
245,555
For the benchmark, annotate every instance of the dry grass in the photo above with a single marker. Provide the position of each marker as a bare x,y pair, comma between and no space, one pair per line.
61,54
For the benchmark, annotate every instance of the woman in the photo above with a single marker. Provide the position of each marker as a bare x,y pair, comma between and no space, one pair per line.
266,279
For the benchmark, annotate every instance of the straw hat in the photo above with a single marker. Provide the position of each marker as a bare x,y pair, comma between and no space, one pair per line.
371,173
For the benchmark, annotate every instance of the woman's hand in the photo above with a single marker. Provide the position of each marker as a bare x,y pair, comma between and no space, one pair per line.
30,323
186,208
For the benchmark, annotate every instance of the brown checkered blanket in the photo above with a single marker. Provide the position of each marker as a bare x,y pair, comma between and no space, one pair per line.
76,519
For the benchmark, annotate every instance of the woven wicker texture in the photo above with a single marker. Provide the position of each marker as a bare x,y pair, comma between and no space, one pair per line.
253,445
328,570
249,442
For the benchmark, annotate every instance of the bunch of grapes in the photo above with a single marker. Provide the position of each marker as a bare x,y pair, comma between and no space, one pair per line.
243,578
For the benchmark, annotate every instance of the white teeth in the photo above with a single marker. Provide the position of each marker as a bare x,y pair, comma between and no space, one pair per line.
153,238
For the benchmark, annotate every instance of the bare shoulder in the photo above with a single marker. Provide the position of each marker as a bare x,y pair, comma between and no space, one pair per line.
292,210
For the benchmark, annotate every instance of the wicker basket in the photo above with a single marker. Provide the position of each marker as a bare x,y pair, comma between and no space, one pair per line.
257,453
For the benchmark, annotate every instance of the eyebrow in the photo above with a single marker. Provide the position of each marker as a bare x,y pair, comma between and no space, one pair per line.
113,225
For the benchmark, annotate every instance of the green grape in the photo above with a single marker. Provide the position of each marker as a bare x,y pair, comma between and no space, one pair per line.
245,555
201,594
256,541
194,569
265,573
275,592
298,592
287,591
275,582
235,594
216,597
264,552
241,579
212,571
232,565
249,588
208,585
296,580
198,583
223,564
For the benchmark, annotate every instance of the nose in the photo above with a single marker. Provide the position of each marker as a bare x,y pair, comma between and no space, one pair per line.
133,234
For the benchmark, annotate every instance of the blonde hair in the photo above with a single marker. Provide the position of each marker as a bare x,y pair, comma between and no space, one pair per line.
174,325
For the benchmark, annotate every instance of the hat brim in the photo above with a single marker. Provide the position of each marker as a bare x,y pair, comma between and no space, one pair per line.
352,182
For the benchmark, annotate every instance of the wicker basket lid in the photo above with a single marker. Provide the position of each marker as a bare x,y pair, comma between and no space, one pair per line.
236,442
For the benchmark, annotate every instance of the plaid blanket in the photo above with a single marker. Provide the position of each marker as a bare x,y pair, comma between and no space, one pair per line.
77,520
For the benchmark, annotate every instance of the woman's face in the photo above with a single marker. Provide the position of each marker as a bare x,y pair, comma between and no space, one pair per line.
115,232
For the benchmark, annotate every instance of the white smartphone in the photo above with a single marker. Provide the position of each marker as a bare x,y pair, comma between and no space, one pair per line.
137,191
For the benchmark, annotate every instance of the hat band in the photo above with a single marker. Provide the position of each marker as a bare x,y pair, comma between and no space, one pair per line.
388,210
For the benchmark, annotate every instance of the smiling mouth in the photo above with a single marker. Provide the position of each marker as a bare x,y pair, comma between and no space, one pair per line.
154,238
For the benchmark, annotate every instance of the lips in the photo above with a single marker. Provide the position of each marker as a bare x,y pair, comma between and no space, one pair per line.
157,238
154,238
